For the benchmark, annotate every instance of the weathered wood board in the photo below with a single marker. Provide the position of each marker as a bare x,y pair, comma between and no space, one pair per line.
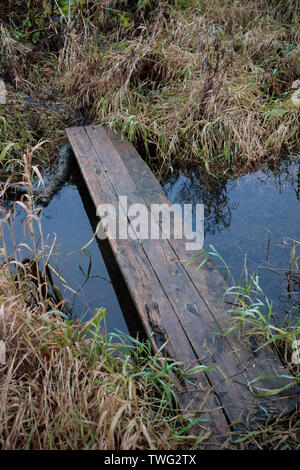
181,307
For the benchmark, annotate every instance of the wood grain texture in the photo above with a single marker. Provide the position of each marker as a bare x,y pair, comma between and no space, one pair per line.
181,308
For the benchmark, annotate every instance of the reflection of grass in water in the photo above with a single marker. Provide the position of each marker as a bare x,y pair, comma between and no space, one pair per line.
242,205
201,187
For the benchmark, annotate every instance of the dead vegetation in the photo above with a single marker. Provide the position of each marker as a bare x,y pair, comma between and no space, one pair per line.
60,390
25,124
192,83
196,85
65,385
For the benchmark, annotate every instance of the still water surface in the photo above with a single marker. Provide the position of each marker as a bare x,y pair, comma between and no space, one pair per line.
252,222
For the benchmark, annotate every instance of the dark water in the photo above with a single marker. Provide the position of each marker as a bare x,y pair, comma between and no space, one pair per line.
251,221
85,281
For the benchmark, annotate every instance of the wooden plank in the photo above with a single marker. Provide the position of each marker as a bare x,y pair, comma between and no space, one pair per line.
182,293
150,300
181,305
266,363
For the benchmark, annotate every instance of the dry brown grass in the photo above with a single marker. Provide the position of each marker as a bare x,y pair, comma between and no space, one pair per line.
66,385
63,388
191,83
61,391
209,85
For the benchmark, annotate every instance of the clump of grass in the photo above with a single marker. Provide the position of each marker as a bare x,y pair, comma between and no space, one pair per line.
31,113
253,316
61,389
22,126
190,83
208,85
69,386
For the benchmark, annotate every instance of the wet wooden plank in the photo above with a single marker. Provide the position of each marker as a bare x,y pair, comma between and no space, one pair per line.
265,362
188,303
182,304
156,312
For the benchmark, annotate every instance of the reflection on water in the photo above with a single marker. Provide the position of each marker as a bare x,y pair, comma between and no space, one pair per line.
89,284
251,220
